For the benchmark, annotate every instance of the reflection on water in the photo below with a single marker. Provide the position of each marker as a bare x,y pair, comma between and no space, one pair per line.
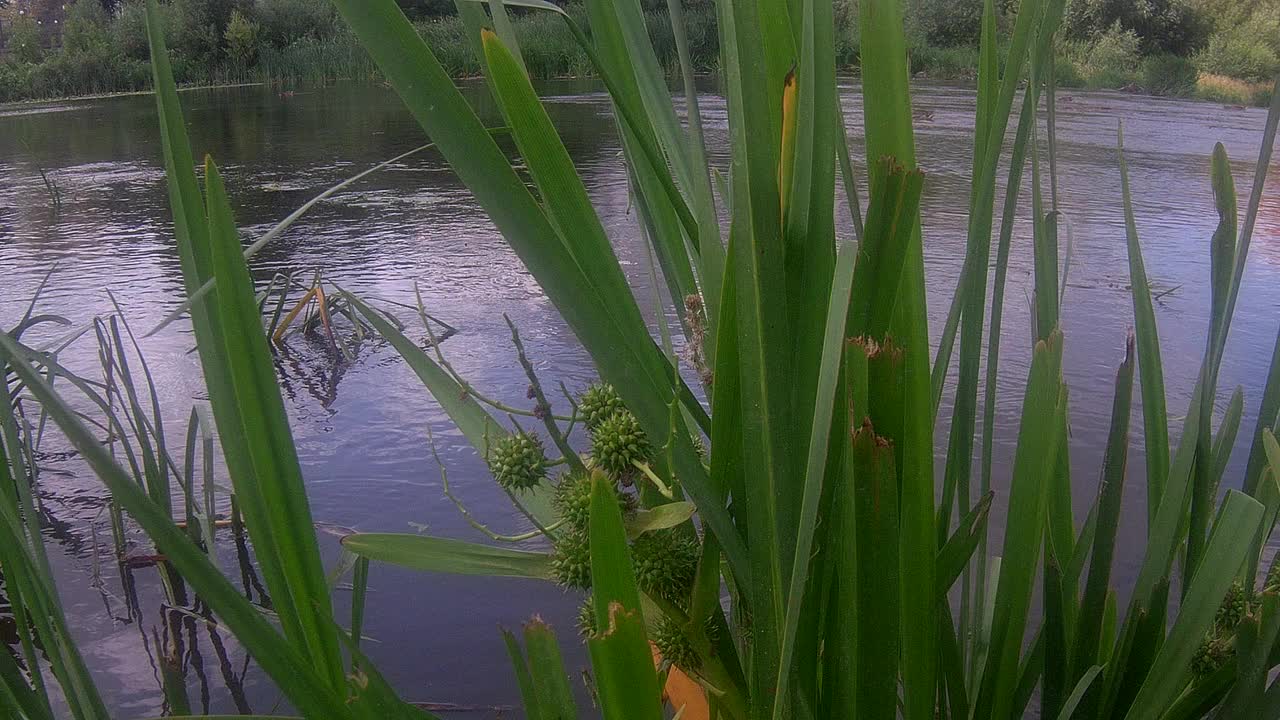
361,425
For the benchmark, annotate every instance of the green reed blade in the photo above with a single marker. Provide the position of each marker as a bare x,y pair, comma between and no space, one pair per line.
951,667
502,26
1088,636
472,420
288,558
1155,420
1053,679
1072,702
550,682
621,48
762,341
359,594
16,696
564,197
1224,554
524,681
475,423
1043,408
871,477
274,498
847,177
1268,417
435,554
809,201
1013,187
955,554
1029,673
878,275
1222,253
888,129
1224,442
1260,173
816,464
620,654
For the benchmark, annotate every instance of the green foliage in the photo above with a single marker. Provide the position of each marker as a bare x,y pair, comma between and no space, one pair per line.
1169,75
285,22
1111,60
1172,26
241,37
85,28
1248,52
946,23
24,40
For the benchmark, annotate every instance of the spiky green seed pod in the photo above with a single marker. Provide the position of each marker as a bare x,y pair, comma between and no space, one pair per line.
699,446
573,500
587,618
571,560
1210,656
666,562
674,646
1232,610
518,461
619,441
598,403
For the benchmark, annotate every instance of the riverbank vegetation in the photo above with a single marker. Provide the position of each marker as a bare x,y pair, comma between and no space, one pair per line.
752,486
1223,50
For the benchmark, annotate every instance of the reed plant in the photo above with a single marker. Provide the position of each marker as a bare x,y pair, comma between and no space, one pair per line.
763,505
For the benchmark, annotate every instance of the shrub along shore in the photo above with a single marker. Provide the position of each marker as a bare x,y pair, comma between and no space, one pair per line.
294,42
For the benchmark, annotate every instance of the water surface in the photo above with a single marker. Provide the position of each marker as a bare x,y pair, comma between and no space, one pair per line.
361,427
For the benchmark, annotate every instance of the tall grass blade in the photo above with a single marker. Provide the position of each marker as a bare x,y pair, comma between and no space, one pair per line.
1089,634
1155,420
888,129
1043,408
620,652
434,554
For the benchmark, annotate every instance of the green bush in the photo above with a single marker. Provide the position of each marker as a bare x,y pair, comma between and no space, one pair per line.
195,29
1239,53
15,79
1172,26
23,40
1112,60
130,28
946,22
85,28
1068,65
241,37
1169,75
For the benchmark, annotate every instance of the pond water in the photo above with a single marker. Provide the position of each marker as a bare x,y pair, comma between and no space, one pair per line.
361,427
